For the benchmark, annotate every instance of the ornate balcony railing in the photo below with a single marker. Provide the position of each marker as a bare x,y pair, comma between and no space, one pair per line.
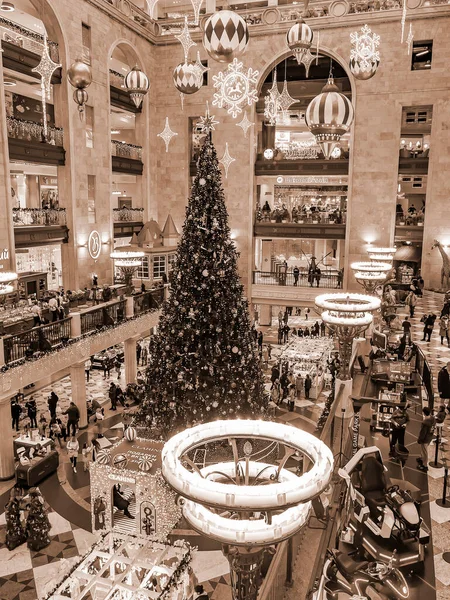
116,79
103,316
38,339
327,279
285,216
409,220
34,132
24,217
126,150
127,215
148,301
26,38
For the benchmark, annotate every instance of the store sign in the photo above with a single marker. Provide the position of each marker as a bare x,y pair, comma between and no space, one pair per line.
4,254
94,244
121,478
355,433
298,180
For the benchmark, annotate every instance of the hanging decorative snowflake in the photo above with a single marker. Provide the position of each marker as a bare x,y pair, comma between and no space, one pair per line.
206,123
185,39
226,160
365,46
167,134
245,124
235,88
285,100
200,69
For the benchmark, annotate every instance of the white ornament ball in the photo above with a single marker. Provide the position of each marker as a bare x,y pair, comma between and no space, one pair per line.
205,273
226,36
120,461
235,349
202,182
103,457
130,434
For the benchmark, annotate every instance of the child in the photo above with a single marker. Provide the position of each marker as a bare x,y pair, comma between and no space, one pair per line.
42,426
55,431
87,455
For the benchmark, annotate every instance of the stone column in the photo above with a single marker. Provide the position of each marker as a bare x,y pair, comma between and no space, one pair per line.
265,314
6,439
130,360
77,379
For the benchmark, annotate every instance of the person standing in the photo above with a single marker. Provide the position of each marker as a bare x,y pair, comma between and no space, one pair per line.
410,302
73,416
72,450
118,366
260,341
87,368
265,357
138,352
283,273
322,329
37,313
16,409
32,412
53,306
428,326
286,330
307,311
443,329
299,384
399,421
308,384
444,382
144,354
317,275
296,273
280,318
112,393
280,334
269,350
424,438
275,392
87,455
284,382
52,404
275,374
292,393
406,327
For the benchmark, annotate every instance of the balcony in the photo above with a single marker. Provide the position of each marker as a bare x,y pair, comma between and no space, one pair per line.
270,287
307,166
320,225
126,158
414,164
409,229
119,96
127,221
28,142
39,226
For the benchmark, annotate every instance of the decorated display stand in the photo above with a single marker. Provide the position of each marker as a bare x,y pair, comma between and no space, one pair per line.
133,465
126,567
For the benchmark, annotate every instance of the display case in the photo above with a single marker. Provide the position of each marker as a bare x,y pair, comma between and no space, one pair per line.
32,284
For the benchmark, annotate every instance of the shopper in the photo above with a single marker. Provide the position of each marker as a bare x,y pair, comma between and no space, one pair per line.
286,330
86,453
284,382
280,318
275,374
112,393
55,431
72,450
138,352
144,354
16,410
52,404
118,366
37,314
443,329
317,275
308,384
399,421
406,325
323,329
444,382
307,311
292,393
282,272
42,426
296,273
275,392
299,384
428,326
424,438
32,412
53,307
73,416
280,334
410,302
260,341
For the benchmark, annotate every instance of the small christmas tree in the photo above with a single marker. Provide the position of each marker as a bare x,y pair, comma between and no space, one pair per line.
203,360
15,533
38,526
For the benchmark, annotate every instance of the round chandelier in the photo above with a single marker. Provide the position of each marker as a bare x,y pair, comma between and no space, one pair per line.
381,254
225,36
299,39
247,505
329,116
130,258
137,84
370,274
6,279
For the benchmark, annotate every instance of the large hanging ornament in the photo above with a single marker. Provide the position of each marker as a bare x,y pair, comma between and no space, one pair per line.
167,134
285,100
364,56
235,88
245,124
137,84
185,39
226,160
46,68
200,68
299,39
79,75
226,36
271,101
207,123
329,116
186,78
80,96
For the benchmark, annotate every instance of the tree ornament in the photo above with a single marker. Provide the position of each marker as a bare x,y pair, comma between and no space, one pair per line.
364,56
226,36
206,124
167,134
185,78
245,124
299,39
185,39
137,84
205,273
130,434
328,116
236,88
226,160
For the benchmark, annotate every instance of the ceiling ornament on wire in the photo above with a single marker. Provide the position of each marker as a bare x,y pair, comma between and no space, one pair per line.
410,38
271,101
364,55
226,160
185,39
196,5
206,124
46,68
235,88
285,100
200,68
167,134
245,124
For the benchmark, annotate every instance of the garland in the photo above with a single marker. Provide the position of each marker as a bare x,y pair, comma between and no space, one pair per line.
28,33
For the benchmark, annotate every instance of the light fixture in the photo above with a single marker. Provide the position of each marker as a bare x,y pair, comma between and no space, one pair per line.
268,153
7,7
422,53
6,280
137,84
115,131
7,82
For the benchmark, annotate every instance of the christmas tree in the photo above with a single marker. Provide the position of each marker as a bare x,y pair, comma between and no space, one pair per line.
15,534
38,526
203,360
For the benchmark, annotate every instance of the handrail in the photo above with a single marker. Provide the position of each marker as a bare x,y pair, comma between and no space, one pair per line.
278,217
28,39
127,215
126,150
34,132
327,279
105,315
40,338
23,217
147,301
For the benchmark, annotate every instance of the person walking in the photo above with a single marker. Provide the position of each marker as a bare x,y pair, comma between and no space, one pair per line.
265,357
37,314
269,350
86,453
118,366
275,392
406,327
112,393
16,410
72,450
286,330
317,275
296,273
275,374
87,368
308,384
284,382
444,382
73,416
424,438
260,341
399,421
443,329
32,412
428,326
280,334
55,431
410,302
307,311
52,404
292,393
299,384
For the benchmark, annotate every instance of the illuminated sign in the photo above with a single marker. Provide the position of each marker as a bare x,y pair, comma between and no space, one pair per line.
298,179
4,254
94,244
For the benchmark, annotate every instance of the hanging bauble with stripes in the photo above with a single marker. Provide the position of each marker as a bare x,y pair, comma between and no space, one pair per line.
137,84
186,78
299,39
226,36
329,116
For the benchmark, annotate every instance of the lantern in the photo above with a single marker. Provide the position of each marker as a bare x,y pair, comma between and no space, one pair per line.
137,85
226,36
299,39
81,97
186,79
79,75
130,434
328,116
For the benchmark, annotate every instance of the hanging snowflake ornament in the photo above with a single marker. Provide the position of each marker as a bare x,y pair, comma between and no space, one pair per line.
245,124
364,51
206,123
226,160
235,88
285,100
274,93
167,134
46,68
185,39
196,5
